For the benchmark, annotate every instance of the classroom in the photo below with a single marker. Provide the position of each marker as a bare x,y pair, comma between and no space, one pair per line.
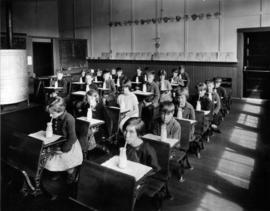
135,105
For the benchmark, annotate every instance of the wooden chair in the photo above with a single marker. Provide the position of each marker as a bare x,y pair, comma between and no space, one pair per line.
156,186
105,189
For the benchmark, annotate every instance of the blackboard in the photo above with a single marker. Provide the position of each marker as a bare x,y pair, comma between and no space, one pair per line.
72,52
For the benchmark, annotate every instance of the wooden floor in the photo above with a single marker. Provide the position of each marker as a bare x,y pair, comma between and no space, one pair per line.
232,174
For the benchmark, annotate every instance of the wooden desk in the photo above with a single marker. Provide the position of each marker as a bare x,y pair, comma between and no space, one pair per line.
170,141
29,155
78,83
175,85
187,130
143,94
134,169
79,93
92,122
202,122
52,88
22,152
104,188
137,83
98,82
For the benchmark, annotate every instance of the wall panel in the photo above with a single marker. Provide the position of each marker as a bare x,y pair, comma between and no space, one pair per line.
101,30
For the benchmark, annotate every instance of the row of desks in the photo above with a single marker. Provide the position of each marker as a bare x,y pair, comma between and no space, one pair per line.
35,152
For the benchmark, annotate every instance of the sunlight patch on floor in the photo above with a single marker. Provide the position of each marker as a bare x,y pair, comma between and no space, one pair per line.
244,138
255,109
211,188
235,168
248,120
213,202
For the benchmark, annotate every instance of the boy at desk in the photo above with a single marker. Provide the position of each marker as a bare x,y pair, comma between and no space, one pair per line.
167,122
119,76
221,91
139,75
164,87
89,82
175,77
70,155
109,94
200,100
184,76
215,105
186,109
151,103
99,75
61,82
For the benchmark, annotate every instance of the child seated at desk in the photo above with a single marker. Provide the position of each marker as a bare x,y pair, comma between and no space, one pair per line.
98,112
175,78
200,98
89,82
221,91
184,76
113,74
70,155
61,82
164,87
83,74
138,150
186,109
99,75
167,121
109,95
150,104
128,102
215,105
120,77
139,75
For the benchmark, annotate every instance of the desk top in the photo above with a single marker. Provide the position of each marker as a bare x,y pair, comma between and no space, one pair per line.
205,112
40,135
137,170
139,92
188,120
93,122
102,89
81,93
170,141
78,83
52,87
